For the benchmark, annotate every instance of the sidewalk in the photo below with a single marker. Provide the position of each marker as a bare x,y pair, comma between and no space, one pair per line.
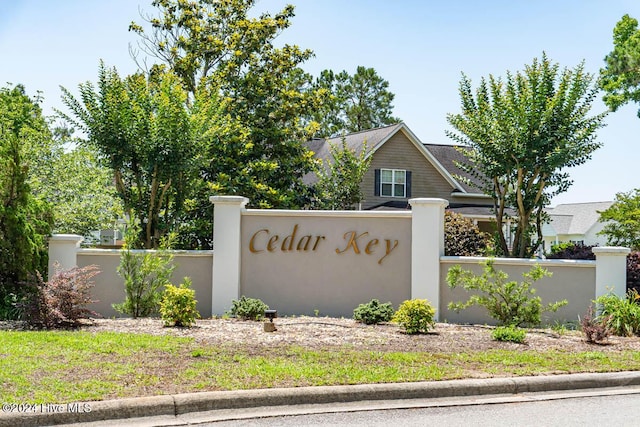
174,406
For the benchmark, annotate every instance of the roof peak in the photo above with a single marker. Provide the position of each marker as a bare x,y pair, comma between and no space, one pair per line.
365,131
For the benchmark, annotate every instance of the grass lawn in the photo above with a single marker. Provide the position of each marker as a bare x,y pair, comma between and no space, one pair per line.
72,366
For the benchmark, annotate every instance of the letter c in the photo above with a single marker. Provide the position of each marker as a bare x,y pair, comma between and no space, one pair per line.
252,247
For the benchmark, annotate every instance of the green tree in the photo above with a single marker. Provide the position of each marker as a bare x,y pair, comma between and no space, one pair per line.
622,220
216,46
201,39
620,79
25,221
339,178
523,132
356,102
143,130
79,189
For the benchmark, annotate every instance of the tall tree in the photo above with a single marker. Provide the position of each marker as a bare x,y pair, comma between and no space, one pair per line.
200,39
622,220
142,128
214,45
620,79
340,178
523,132
79,189
356,102
25,220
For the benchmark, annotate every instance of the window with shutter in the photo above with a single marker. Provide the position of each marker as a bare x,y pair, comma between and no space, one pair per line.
393,183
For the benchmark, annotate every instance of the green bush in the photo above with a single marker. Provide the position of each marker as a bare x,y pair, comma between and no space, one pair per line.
509,333
462,237
623,314
248,308
510,303
144,275
373,312
415,316
178,305
11,305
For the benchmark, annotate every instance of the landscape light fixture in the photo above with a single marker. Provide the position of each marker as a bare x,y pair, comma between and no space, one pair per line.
270,326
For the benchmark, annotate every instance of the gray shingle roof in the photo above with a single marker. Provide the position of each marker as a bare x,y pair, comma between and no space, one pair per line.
576,218
448,156
355,141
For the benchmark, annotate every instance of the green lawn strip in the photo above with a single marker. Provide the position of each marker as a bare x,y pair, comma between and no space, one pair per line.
62,367
519,363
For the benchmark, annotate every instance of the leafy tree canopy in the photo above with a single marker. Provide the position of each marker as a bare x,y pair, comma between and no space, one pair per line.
215,46
25,220
620,79
524,130
144,131
79,189
356,102
622,220
339,178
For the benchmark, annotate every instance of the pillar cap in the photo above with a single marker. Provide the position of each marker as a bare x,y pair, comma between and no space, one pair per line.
229,200
426,201
71,238
613,250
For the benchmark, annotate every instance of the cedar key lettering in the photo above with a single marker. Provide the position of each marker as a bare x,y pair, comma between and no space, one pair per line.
358,243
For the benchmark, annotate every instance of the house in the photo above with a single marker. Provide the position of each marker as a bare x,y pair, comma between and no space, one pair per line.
402,167
575,222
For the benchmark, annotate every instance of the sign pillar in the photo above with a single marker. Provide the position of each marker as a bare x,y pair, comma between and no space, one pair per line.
611,270
427,246
227,215
63,250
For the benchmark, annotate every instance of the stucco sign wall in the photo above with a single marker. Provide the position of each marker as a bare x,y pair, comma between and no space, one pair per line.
334,260
326,262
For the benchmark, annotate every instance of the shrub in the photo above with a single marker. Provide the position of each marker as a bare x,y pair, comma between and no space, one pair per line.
144,274
248,308
462,237
373,312
633,271
415,316
595,329
508,333
11,306
61,301
622,314
510,303
178,305
570,250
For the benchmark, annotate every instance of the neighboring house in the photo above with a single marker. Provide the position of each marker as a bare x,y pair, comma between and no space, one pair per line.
575,222
402,167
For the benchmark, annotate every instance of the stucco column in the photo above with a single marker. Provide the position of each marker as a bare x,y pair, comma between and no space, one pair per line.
63,249
227,213
427,246
611,270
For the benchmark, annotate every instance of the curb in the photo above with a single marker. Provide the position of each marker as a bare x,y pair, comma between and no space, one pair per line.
181,404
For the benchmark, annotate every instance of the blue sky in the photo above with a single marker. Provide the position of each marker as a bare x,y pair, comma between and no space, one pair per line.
419,46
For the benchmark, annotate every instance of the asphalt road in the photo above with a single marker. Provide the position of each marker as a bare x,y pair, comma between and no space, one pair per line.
609,410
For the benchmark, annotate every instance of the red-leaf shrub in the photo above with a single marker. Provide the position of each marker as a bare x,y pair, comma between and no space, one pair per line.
572,251
633,271
462,237
61,302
